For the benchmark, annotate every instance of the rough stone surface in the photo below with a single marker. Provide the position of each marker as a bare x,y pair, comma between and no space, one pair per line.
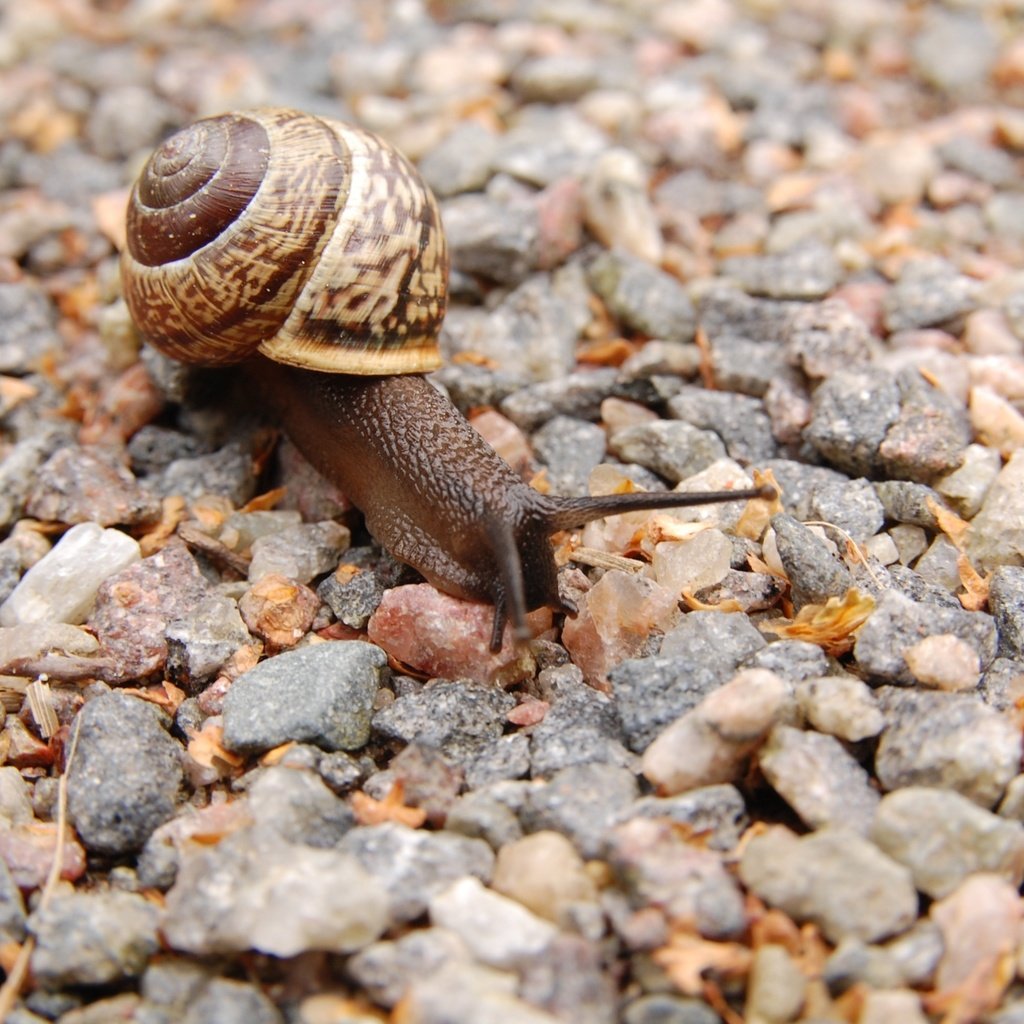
322,694
835,878
126,775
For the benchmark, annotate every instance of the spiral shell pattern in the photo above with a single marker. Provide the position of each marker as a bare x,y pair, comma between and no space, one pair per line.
306,239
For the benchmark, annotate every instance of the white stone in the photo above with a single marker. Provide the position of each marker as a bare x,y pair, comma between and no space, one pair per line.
62,586
692,565
498,931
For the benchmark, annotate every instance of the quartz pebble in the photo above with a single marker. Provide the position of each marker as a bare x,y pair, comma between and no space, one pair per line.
322,693
445,636
498,931
62,586
617,617
943,838
255,890
546,875
775,990
711,743
841,706
980,921
945,662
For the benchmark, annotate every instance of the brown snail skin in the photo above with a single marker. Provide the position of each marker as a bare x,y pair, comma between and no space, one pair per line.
311,253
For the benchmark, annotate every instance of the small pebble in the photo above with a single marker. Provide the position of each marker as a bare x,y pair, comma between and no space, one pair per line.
948,740
996,536
816,776
546,875
944,662
1006,601
819,878
92,938
413,866
841,706
125,778
62,586
980,921
711,743
226,1001
498,931
884,1006
717,814
943,838
255,890
775,989
447,637
671,448
323,694
300,553
814,570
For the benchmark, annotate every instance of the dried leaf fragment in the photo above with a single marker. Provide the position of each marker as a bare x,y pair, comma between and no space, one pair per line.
688,958
831,626
206,748
370,811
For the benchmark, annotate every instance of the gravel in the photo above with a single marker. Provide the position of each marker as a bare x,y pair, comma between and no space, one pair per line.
691,244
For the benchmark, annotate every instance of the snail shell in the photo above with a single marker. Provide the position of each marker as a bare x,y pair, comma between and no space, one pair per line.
306,239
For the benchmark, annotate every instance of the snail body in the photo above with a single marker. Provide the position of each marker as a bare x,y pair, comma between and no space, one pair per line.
312,254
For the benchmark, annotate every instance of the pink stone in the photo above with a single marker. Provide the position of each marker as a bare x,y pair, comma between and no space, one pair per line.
28,851
980,923
443,636
615,621
503,436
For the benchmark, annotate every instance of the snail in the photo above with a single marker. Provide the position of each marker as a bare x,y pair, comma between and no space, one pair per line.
311,253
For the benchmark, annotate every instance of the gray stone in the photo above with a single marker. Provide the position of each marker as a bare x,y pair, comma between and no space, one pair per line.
792,659
254,890
946,740
461,161
386,969
644,299
807,271
853,411
480,815
579,727
739,420
671,448
775,987
943,837
705,650
853,507
816,776
1003,684
747,366
413,865
353,599
662,1008
125,778
929,436
92,938
897,623
225,1001
29,326
1006,600
228,472
822,878
460,719
907,502
954,51
322,694
569,448
827,337
12,908
298,806
495,240
577,394
581,802
717,813
929,293
300,553
815,572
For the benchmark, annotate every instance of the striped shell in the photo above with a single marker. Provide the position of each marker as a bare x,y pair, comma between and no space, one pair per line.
309,240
